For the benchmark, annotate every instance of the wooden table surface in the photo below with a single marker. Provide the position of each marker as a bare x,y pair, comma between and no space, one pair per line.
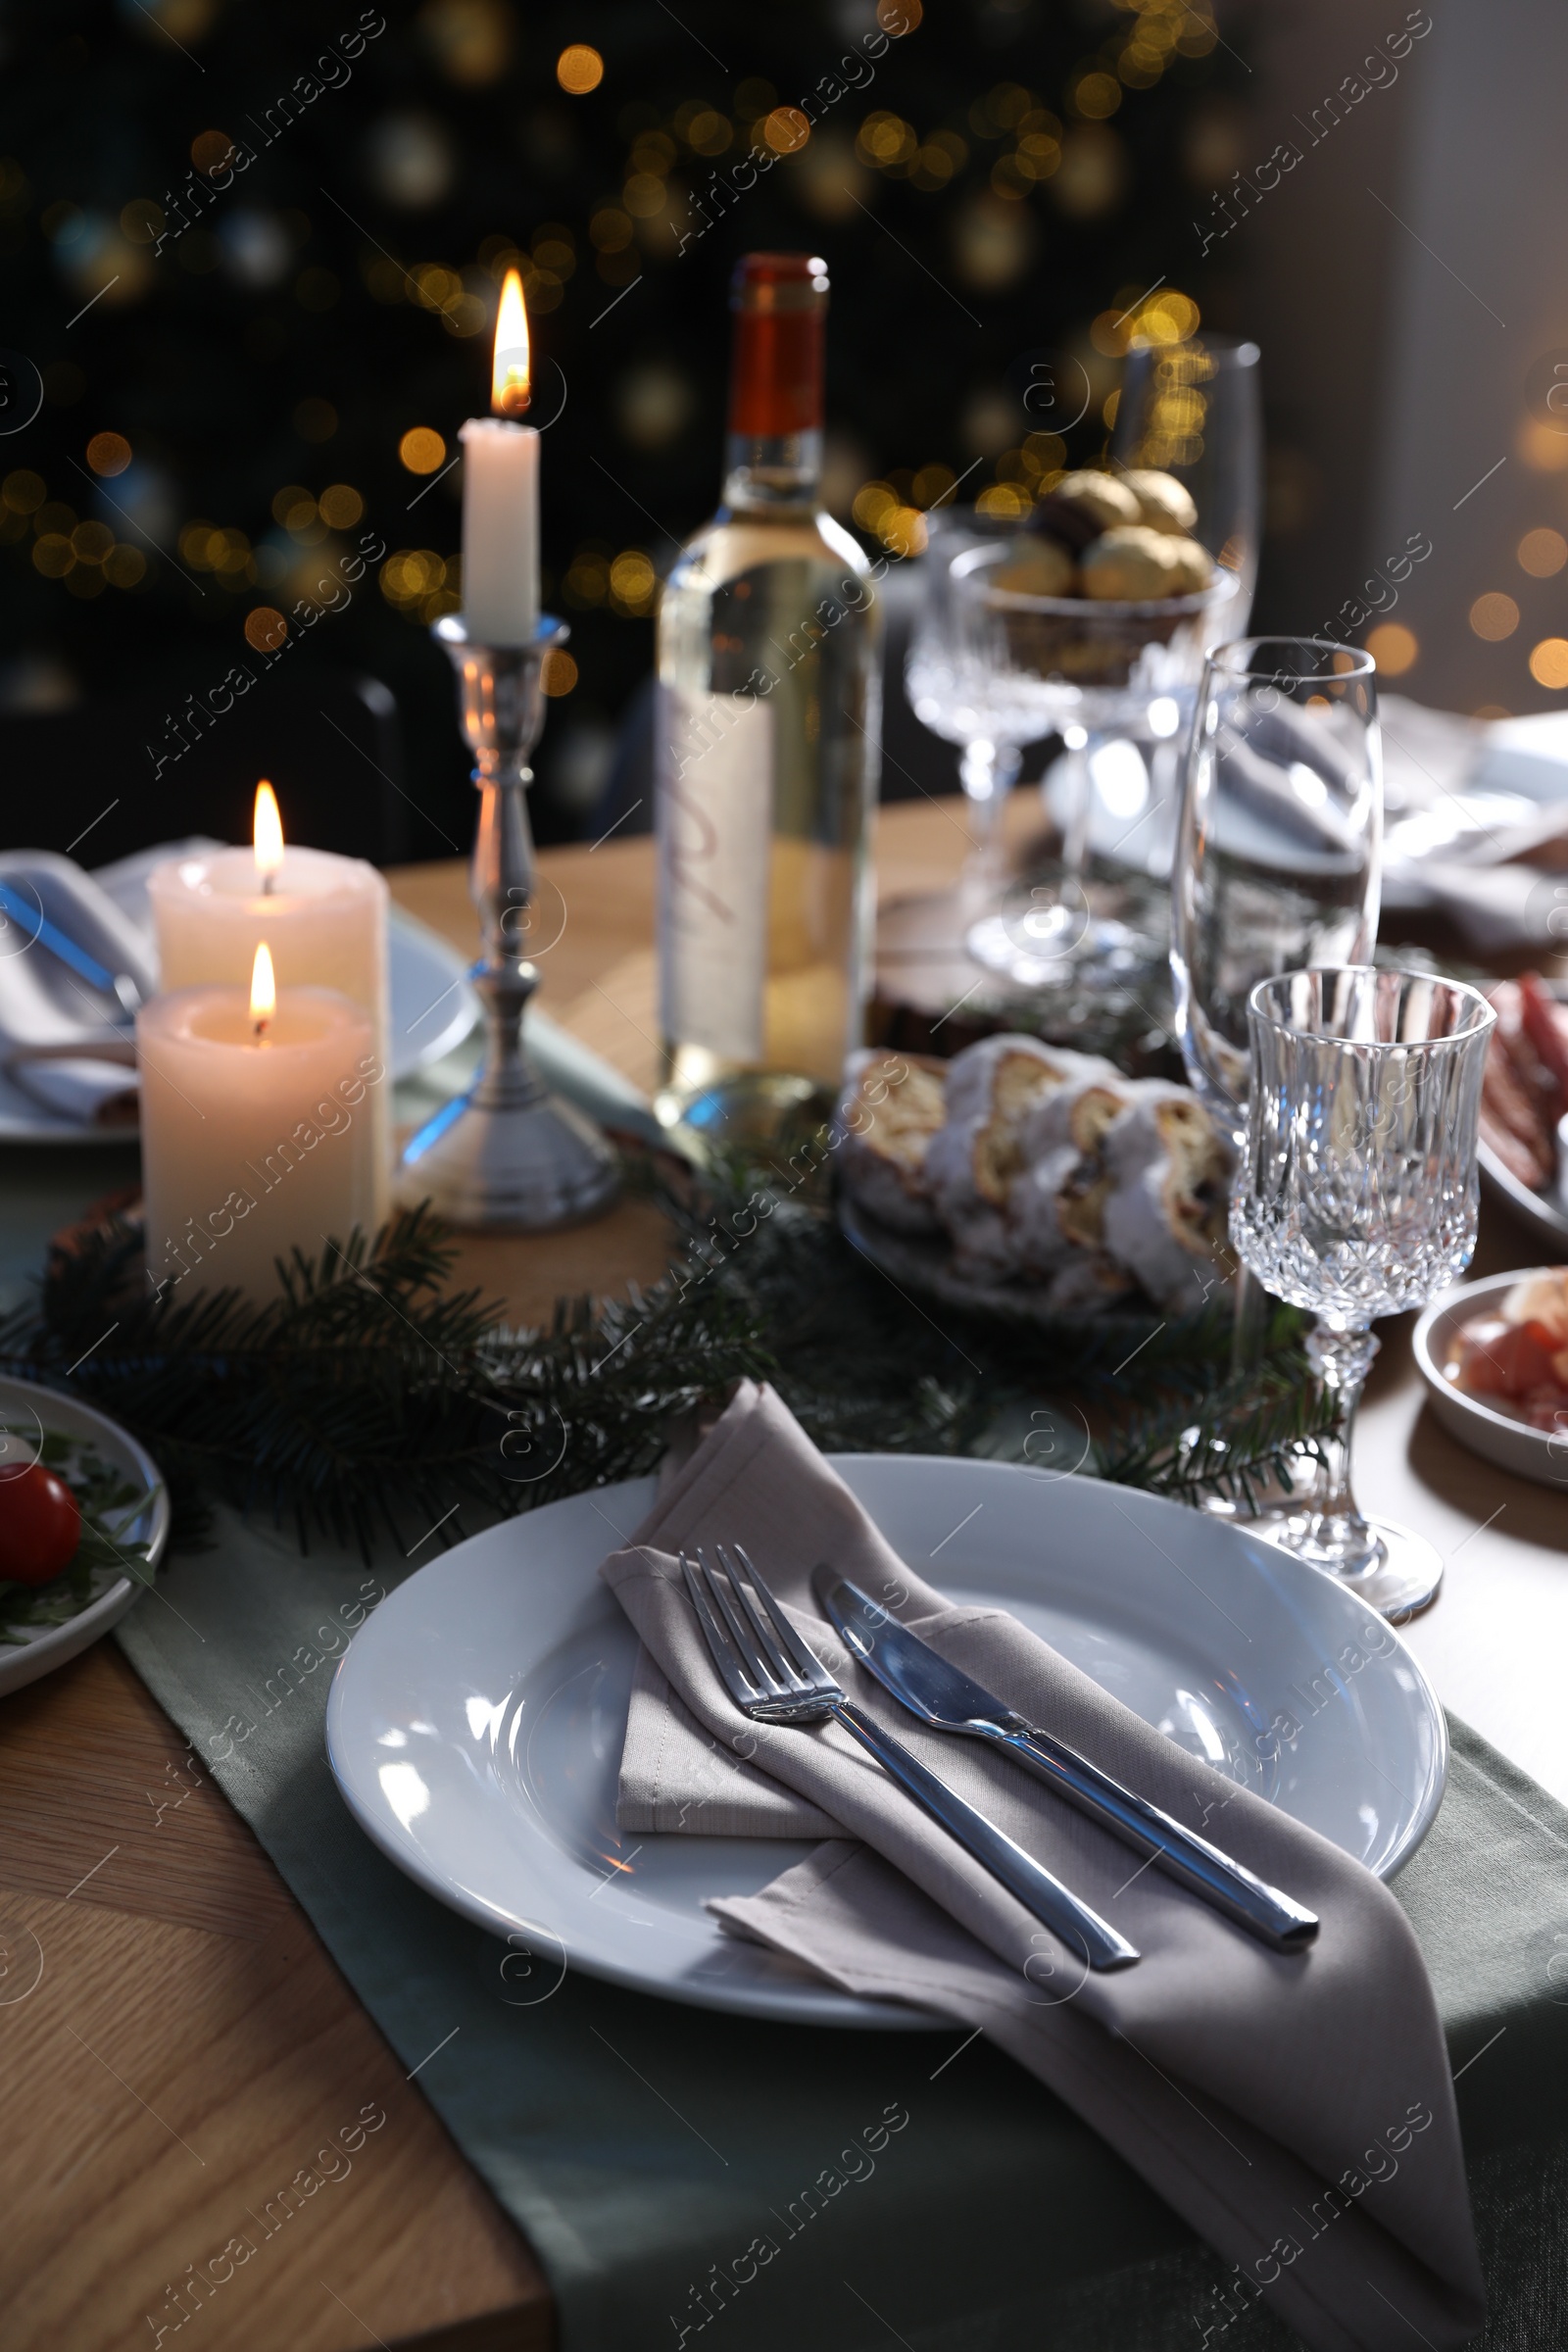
175,2043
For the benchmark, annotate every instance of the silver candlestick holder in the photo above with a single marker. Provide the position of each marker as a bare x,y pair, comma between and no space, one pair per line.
507,1155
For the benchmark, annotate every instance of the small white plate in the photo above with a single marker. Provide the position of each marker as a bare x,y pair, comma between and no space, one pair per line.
477,1723
1484,1426
26,1408
432,1010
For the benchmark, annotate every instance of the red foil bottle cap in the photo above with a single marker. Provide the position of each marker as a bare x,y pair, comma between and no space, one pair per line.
780,303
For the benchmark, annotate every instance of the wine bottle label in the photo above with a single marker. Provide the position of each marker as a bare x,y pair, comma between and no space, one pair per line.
714,822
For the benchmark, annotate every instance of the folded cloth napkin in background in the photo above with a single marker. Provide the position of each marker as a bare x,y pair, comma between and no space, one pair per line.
64,1041
1297,2111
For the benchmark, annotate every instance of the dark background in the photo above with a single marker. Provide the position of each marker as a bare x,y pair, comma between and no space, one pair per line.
340,292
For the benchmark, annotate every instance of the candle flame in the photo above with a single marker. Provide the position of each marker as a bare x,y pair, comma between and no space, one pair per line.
267,835
511,388
263,988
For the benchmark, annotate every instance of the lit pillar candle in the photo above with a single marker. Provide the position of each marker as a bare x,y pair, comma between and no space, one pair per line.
323,916
501,493
257,1134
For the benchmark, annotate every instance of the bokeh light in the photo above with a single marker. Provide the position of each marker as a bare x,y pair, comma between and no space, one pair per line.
1543,553
264,628
315,420
1548,662
558,672
786,129
108,453
1394,647
1493,616
341,506
632,584
580,70
421,448
210,150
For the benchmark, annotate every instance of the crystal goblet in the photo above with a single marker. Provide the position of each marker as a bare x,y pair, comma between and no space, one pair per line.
1357,1199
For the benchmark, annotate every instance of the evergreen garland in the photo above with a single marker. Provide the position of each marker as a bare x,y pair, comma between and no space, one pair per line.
367,1396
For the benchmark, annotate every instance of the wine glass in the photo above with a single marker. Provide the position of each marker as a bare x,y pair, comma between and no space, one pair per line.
948,687
1278,860
1194,410
1357,1199
1091,672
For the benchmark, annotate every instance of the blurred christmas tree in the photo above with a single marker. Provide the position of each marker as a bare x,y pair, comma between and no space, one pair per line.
253,254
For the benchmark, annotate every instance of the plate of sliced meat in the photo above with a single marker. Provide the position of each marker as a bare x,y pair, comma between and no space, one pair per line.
1524,1101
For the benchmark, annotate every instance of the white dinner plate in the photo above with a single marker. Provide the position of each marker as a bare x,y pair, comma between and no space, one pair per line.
30,1411
475,1724
432,1010
1485,1428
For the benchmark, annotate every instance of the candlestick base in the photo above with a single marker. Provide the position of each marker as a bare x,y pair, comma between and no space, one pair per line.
521,1167
505,1156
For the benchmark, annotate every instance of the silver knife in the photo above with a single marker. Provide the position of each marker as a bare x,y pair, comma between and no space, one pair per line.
943,1696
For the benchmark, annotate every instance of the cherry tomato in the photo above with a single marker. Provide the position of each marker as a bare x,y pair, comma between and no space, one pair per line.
40,1525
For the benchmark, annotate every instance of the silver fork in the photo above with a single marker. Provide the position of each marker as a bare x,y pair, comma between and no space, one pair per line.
774,1677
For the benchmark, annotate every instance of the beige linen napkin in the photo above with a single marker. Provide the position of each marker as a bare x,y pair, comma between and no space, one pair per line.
1298,2112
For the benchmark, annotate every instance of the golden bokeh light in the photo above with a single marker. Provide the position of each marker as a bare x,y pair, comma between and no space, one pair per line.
580,70
210,150
1097,95
421,448
341,506
632,583
124,566
1548,662
786,129
558,672
1542,446
1394,647
108,453
1543,553
315,420
1493,616
264,628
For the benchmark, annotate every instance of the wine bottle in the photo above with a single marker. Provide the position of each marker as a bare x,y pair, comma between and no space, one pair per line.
767,749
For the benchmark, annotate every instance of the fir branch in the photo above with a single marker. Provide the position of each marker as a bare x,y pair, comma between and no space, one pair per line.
1247,1434
367,1394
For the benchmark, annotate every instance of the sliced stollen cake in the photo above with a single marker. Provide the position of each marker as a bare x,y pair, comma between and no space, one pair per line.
1165,1212
890,1107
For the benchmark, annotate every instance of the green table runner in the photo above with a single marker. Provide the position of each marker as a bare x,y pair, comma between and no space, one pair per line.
688,2176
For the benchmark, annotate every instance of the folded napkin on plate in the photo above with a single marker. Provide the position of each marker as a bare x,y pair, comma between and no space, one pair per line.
63,1041
1298,2112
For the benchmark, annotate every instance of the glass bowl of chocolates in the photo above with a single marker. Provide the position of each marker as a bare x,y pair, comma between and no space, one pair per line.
1102,604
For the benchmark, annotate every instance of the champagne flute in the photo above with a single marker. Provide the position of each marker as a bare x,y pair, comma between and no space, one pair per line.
1357,1199
1278,860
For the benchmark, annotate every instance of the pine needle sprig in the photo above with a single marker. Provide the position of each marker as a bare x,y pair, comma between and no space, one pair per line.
1248,1435
369,1395
366,1394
